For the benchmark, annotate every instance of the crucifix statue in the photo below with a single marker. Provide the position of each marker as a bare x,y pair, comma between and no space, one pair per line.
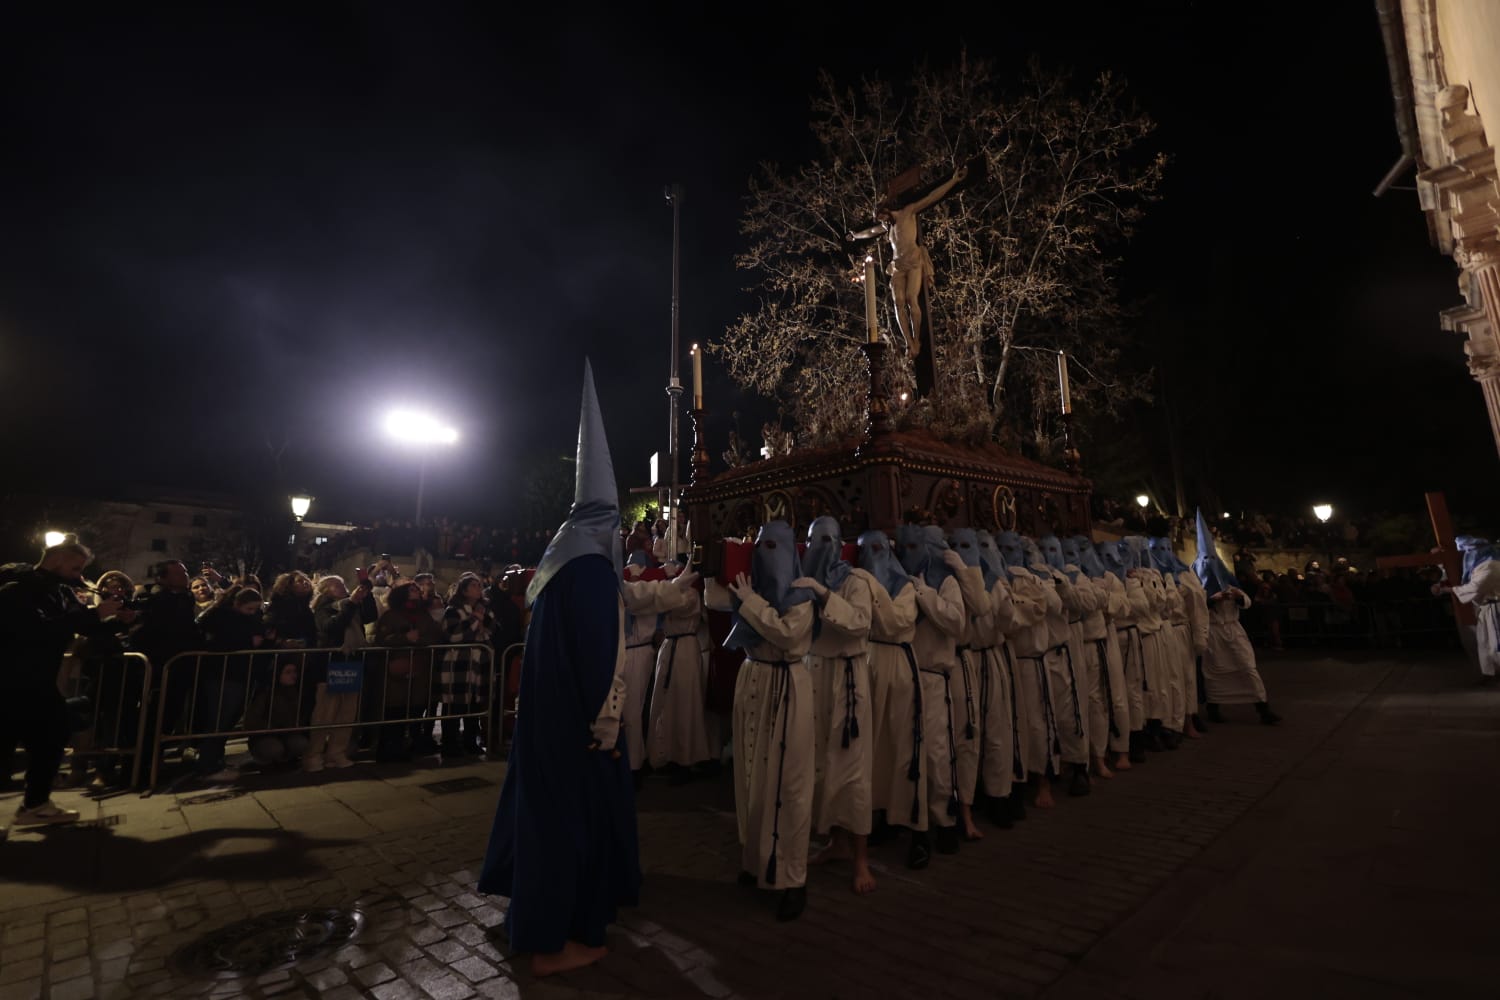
911,268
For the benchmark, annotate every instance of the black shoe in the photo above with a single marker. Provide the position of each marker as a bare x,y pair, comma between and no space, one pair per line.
998,813
1198,723
709,769
1170,740
793,902
1017,803
747,880
679,776
921,851
1267,717
947,840
1137,753
881,832
1214,715
1079,784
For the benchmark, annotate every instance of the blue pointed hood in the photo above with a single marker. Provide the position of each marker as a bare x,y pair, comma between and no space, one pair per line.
990,559
593,525
1135,552
823,560
1476,550
1110,555
773,566
1013,550
921,551
965,541
1208,567
877,559
1088,558
1164,557
1051,549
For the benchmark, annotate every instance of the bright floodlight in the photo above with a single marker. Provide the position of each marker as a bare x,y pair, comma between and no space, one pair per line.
301,505
53,538
412,427
1323,511
1226,515
1142,501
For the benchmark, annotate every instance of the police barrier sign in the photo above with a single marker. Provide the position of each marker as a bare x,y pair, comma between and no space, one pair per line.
346,678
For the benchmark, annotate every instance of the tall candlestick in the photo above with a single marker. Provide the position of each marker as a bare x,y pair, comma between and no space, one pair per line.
870,324
697,378
1062,381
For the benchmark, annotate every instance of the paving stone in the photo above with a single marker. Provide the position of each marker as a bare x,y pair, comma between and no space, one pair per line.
64,950
397,989
12,972
448,988
73,989
474,969
448,951
21,951
327,979
30,989
447,918
427,934
373,975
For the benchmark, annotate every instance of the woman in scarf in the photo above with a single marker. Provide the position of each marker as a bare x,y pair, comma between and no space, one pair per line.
839,662
898,783
773,719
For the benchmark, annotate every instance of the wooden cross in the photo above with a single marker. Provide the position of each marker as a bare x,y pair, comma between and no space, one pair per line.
1445,555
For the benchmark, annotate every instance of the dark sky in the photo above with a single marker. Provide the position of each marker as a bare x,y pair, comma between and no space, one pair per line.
223,224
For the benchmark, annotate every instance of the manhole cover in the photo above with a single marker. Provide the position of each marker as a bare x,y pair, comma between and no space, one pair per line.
457,785
270,941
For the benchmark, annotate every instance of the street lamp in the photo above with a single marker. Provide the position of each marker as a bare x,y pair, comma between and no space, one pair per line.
301,504
422,430
1142,501
54,538
1323,511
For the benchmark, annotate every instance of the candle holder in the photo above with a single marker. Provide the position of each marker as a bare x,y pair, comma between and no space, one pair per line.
1070,454
878,423
700,446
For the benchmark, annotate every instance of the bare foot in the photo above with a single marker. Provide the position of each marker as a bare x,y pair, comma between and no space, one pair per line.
1122,762
573,956
1044,798
972,832
1191,732
864,882
1101,769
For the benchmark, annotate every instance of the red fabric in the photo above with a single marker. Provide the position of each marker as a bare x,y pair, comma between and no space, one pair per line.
736,560
723,664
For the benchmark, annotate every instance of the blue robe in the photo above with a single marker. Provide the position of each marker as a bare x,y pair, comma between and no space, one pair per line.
564,844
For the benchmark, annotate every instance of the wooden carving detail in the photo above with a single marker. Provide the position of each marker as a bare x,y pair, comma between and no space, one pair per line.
1003,508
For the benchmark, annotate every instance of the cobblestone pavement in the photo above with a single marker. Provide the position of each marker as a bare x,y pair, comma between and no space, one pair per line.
1211,871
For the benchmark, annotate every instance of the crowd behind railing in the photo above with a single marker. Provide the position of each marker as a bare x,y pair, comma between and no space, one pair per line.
311,669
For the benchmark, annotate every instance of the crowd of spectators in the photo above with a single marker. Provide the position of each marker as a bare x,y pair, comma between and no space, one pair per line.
479,547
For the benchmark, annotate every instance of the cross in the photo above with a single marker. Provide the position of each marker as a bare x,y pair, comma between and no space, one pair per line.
1445,555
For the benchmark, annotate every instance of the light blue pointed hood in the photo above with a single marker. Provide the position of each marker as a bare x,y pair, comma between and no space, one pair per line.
877,559
1135,552
1088,558
990,559
1164,557
1113,558
1013,550
824,558
1210,569
773,566
1051,548
593,524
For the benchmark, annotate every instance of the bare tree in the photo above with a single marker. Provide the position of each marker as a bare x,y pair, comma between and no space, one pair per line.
1024,258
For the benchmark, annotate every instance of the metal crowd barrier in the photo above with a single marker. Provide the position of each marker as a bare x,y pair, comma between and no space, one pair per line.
117,721
222,685
1426,622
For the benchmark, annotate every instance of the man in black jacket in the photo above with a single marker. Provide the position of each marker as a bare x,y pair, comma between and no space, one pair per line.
40,614
168,627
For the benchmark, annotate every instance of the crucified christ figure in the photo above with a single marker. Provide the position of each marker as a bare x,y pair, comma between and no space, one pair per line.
911,268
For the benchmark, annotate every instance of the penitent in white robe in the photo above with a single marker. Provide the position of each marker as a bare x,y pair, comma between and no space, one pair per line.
839,663
946,736
1483,591
679,732
774,745
898,783
1229,673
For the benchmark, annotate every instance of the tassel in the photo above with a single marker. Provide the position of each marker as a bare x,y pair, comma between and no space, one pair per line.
916,810
771,870
853,730
969,731
913,770
953,805
846,735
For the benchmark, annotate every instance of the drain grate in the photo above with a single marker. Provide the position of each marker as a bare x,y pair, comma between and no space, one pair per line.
457,785
206,797
271,941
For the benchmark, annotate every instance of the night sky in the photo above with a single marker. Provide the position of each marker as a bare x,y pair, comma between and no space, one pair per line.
223,226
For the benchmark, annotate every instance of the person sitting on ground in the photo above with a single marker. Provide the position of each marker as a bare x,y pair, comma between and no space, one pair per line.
277,707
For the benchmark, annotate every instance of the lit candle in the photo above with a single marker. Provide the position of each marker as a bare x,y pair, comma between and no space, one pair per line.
1062,380
870,324
697,378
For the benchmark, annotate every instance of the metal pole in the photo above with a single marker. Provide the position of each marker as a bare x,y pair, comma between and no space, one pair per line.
674,385
421,485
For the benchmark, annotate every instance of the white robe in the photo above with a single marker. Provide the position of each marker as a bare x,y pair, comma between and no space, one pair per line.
944,728
1002,761
1483,591
1229,673
1109,703
898,784
839,663
679,721
774,745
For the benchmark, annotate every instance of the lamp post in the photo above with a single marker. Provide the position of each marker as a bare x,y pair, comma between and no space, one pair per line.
52,538
674,383
301,504
1324,511
422,430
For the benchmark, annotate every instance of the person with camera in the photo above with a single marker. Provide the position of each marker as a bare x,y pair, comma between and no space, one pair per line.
40,614
341,619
